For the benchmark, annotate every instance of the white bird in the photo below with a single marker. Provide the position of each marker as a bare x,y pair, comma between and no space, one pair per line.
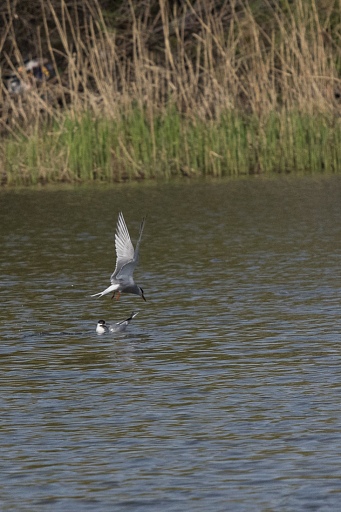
126,260
103,328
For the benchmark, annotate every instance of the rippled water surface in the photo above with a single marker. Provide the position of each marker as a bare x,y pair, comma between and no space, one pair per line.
223,394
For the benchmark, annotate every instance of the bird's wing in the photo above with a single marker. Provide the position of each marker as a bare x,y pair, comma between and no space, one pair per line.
124,275
124,247
137,248
133,315
127,258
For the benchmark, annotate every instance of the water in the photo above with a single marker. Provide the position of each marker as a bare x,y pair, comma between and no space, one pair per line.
224,392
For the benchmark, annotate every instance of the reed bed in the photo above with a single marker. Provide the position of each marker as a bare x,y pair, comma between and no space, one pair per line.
203,88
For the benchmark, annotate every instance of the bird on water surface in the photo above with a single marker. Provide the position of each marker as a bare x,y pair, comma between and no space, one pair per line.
103,328
122,280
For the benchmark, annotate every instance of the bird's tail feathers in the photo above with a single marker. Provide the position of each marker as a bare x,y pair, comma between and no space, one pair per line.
111,288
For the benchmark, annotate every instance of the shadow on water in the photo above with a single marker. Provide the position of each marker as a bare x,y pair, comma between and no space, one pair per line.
223,393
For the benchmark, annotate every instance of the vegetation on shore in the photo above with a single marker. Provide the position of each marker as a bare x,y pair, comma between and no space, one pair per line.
160,88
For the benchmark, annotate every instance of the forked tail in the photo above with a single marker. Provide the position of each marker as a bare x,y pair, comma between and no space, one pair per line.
110,289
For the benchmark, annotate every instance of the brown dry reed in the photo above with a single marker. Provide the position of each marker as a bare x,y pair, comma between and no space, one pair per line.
158,89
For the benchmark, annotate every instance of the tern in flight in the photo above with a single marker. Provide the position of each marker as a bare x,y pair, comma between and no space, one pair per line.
122,280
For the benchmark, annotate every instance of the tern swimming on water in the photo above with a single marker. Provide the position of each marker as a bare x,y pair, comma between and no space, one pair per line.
122,280
103,328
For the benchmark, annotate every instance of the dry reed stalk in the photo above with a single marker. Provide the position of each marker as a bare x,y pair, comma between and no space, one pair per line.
229,62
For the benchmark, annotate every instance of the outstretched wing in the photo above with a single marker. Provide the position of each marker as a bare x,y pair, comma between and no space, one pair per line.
133,315
137,248
127,258
124,247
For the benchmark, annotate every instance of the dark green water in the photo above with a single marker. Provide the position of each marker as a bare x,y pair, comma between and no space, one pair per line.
223,394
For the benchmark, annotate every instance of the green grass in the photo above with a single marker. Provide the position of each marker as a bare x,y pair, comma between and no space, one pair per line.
142,145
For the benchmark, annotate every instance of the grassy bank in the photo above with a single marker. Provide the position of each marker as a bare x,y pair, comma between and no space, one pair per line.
137,147
207,88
